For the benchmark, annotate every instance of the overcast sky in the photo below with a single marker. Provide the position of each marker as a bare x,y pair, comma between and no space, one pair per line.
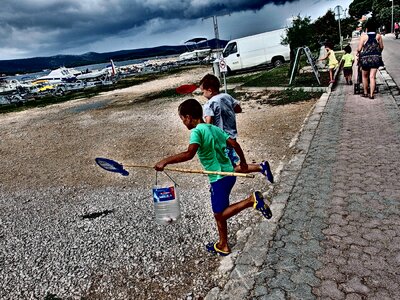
30,28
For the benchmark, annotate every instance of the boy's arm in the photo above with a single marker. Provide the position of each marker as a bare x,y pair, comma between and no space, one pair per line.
325,57
235,145
208,113
237,108
177,158
208,119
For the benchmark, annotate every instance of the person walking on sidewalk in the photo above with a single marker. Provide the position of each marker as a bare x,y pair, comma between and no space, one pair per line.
369,50
332,61
209,142
220,110
347,61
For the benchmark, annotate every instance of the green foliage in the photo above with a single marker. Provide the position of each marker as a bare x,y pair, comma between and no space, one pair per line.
384,16
358,8
299,34
326,28
348,25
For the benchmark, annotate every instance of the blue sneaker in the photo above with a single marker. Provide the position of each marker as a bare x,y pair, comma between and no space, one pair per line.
266,171
261,206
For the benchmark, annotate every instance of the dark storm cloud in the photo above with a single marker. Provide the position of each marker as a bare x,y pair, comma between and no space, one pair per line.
47,24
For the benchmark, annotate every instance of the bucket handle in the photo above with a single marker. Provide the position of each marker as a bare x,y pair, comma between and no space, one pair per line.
168,177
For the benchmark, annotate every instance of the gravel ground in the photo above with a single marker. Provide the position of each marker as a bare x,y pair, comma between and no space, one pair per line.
73,231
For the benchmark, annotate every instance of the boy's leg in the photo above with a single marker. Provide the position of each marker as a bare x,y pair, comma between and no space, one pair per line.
263,168
331,74
222,226
220,192
255,200
221,220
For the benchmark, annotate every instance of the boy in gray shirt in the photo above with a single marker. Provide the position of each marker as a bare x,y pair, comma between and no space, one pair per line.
220,110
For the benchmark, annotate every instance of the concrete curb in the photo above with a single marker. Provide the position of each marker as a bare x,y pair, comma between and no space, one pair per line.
278,88
391,84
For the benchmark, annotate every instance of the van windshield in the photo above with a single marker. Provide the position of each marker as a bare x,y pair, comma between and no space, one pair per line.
230,49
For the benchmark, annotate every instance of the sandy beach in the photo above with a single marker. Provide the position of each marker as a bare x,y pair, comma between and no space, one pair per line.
49,182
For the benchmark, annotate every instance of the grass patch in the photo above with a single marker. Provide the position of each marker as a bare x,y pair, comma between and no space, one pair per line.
274,77
241,78
279,77
292,96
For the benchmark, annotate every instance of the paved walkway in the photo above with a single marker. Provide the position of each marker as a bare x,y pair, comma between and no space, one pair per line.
336,229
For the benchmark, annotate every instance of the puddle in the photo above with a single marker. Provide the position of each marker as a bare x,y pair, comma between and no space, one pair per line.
89,106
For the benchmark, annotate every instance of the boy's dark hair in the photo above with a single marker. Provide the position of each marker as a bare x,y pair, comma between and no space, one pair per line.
347,49
210,82
191,107
329,45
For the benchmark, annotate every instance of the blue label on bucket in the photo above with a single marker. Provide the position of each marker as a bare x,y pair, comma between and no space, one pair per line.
164,194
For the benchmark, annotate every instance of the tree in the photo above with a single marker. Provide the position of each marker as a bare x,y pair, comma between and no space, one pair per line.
358,8
384,16
348,25
378,5
326,29
300,34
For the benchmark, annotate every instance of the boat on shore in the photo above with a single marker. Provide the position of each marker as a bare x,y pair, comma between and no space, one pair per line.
195,53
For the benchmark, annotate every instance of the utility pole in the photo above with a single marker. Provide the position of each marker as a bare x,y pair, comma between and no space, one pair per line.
392,30
338,11
216,30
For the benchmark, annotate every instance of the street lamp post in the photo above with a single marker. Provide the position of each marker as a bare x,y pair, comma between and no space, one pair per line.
338,11
391,30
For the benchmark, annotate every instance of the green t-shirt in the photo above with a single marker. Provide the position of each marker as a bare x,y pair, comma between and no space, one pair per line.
348,59
211,152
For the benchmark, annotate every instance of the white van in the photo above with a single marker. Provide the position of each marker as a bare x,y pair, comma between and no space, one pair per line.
256,50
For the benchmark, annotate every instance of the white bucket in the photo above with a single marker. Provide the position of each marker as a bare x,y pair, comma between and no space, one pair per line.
166,204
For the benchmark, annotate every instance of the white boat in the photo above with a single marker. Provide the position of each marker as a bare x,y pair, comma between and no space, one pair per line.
199,54
59,75
8,85
93,74
195,53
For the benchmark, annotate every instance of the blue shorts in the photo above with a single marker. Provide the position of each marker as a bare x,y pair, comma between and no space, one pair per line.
220,191
231,153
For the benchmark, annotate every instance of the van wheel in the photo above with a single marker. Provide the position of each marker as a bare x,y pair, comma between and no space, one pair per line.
278,62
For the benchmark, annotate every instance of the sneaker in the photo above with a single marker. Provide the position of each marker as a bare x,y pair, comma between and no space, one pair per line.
351,82
261,206
266,171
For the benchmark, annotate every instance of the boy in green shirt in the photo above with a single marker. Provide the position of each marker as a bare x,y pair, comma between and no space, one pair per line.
209,142
347,61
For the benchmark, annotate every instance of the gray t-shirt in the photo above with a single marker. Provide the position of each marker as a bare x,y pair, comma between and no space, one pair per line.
221,108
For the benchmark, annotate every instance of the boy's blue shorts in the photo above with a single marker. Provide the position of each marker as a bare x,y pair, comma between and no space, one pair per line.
220,191
231,153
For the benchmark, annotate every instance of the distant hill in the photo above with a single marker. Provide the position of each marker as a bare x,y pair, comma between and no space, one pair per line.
36,64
